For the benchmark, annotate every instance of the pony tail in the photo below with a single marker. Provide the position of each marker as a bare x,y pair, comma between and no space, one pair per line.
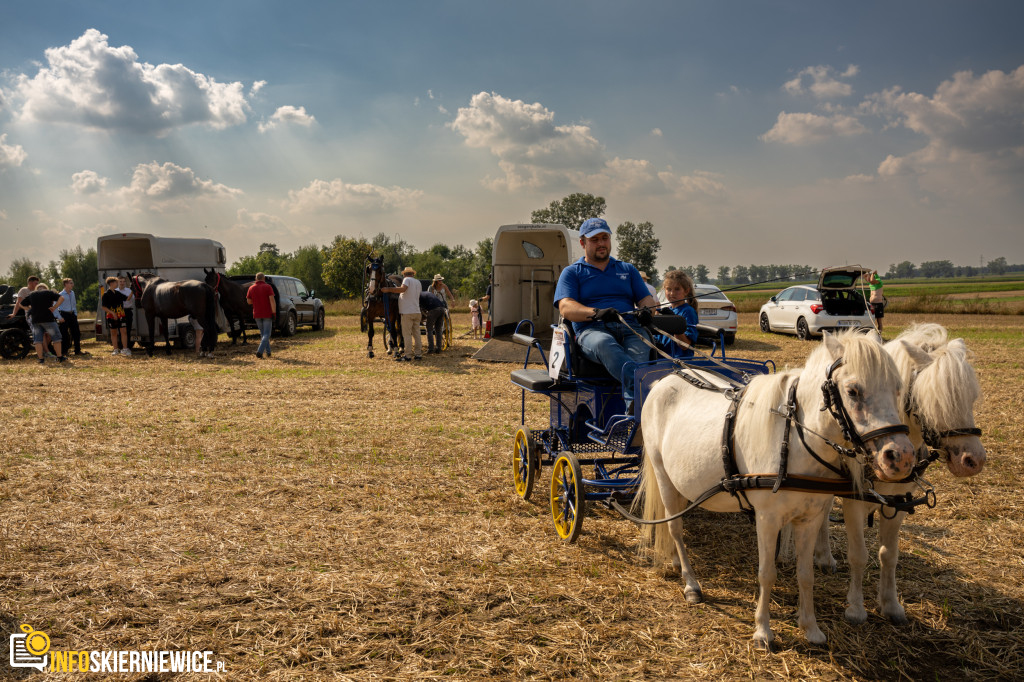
656,537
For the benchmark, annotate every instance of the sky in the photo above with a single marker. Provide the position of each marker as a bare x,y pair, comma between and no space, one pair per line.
815,133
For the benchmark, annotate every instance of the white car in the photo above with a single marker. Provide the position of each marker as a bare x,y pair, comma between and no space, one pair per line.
714,309
837,303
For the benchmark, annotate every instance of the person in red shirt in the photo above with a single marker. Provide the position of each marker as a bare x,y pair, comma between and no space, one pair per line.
264,309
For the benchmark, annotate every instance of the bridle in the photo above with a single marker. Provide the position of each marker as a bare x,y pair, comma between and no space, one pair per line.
934,438
833,402
375,281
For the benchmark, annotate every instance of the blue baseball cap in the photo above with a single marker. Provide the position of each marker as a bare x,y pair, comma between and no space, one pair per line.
593,227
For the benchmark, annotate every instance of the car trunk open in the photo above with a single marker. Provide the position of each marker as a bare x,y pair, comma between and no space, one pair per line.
840,294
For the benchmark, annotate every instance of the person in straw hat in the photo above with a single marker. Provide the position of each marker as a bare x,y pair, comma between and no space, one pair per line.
647,281
409,308
440,289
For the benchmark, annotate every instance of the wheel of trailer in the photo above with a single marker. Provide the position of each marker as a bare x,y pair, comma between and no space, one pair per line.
15,344
524,463
802,331
568,499
765,325
446,340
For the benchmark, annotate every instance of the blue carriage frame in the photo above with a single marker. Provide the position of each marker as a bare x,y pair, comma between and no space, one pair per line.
589,427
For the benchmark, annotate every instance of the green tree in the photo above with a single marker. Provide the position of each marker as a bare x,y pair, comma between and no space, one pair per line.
937,268
723,275
80,266
397,253
21,269
740,275
474,284
997,266
701,272
903,270
268,261
344,265
571,211
757,273
307,263
637,245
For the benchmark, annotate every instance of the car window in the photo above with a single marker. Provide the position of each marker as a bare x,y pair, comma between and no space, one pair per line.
813,294
300,288
786,295
286,287
800,294
711,295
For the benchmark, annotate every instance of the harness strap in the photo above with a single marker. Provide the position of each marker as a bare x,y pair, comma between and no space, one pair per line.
784,448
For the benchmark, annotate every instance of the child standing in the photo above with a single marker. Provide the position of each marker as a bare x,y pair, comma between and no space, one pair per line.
476,318
679,293
113,306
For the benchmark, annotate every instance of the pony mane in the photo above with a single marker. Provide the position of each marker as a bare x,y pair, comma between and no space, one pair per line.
927,336
945,391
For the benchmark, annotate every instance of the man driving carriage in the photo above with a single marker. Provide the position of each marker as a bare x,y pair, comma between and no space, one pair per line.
592,292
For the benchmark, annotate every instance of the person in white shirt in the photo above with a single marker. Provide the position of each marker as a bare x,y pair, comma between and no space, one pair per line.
409,308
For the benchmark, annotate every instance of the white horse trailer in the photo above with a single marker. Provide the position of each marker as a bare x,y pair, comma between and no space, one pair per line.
526,262
175,259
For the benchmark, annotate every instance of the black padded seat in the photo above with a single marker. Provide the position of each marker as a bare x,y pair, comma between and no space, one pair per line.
538,380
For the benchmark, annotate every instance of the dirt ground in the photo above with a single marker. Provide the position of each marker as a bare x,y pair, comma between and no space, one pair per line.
321,515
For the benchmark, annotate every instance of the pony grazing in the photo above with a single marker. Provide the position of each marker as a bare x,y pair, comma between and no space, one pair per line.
231,295
843,407
940,389
379,305
189,298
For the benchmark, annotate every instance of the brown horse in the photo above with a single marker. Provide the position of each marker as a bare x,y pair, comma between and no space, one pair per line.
190,298
378,305
231,295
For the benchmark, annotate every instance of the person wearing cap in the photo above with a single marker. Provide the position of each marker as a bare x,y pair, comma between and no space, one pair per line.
647,281
440,289
409,308
592,292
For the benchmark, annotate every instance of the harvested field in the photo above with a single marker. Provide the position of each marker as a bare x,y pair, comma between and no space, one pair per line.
323,515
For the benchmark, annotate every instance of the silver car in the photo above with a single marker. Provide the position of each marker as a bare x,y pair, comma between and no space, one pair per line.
837,303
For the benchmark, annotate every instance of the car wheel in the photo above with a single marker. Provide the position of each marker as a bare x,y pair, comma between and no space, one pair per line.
290,325
766,327
802,332
320,320
730,339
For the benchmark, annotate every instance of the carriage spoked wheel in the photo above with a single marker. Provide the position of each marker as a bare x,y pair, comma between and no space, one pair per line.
524,463
568,499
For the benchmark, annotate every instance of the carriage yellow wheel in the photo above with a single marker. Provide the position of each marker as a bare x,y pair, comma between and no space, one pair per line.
446,341
568,499
524,463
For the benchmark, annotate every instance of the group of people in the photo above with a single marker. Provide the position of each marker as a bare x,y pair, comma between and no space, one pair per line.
51,317
416,305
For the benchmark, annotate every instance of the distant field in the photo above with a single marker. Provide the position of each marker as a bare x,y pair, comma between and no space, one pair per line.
982,295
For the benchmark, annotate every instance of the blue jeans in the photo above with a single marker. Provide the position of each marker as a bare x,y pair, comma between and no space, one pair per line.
265,325
618,348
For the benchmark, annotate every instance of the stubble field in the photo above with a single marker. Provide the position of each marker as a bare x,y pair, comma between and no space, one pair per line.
324,515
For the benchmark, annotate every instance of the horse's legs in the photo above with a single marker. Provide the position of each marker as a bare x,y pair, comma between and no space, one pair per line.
167,335
199,342
855,514
674,503
888,556
823,558
804,534
768,528
369,337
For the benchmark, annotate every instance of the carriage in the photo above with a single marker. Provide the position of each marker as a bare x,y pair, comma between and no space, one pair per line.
592,446
15,337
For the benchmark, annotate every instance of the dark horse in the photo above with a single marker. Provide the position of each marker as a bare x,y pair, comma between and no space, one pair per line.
378,305
191,298
232,300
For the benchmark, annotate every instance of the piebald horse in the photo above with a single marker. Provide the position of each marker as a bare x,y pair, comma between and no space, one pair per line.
843,402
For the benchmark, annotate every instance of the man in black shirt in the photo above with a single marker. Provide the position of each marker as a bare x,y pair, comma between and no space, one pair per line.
41,303
433,308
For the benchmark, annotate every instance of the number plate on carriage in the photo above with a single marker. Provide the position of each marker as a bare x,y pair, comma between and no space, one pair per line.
556,358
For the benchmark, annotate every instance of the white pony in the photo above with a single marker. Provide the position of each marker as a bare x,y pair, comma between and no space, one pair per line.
940,389
683,435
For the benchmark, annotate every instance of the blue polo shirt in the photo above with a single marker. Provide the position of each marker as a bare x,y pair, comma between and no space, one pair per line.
618,286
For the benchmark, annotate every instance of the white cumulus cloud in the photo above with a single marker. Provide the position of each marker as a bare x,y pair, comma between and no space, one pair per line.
288,115
322,196
167,187
93,84
11,155
804,128
823,82
88,182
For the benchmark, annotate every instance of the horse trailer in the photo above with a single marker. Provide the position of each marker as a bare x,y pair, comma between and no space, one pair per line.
525,264
172,258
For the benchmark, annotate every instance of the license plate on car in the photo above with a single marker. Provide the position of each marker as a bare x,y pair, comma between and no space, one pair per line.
710,313
848,323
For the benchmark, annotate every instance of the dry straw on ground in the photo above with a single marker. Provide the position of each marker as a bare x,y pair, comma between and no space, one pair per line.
323,515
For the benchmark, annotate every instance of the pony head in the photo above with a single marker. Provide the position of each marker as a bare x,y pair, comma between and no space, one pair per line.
866,386
941,397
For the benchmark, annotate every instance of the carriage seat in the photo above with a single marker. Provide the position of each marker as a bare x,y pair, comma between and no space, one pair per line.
537,380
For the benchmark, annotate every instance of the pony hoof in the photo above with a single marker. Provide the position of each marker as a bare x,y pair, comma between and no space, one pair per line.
898,618
694,597
370,354
855,617
762,644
